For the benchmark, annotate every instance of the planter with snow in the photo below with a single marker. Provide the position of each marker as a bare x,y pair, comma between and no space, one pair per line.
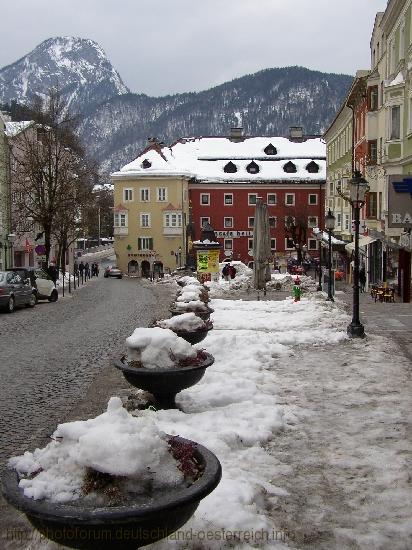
163,364
188,326
198,307
111,482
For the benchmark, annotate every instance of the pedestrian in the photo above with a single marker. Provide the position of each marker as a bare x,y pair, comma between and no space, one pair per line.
225,272
232,271
362,279
86,271
75,267
52,271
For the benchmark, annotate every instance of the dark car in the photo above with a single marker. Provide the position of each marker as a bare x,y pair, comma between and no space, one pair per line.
14,291
42,284
113,271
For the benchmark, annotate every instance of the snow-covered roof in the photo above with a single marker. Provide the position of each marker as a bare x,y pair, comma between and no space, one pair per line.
14,128
205,159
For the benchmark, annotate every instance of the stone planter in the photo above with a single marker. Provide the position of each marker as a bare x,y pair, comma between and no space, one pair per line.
194,336
141,520
203,314
164,384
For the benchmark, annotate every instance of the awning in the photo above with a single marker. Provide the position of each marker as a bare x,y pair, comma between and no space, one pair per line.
363,241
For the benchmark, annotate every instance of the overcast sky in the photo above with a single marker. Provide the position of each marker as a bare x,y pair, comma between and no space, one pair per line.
169,46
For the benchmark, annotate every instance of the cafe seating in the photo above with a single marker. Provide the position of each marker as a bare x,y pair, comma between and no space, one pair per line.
383,293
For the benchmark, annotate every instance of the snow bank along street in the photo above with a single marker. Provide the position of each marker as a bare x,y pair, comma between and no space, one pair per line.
310,427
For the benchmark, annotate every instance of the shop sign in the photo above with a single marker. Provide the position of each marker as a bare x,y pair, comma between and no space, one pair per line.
233,234
208,261
399,202
405,240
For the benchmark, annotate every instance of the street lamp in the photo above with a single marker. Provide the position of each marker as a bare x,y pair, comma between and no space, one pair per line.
11,239
319,239
330,226
358,187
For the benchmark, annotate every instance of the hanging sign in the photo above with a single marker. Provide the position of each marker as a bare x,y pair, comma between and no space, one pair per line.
208,261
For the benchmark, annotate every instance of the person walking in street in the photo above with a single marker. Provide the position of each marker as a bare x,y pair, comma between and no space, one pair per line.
53,272
86,271
225,272
232,271
81,270
362,279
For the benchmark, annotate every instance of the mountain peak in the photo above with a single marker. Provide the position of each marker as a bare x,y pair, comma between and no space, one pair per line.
77,66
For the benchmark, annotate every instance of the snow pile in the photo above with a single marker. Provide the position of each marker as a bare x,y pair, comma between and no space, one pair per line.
193,305
190,293
114,442
241,268
158,348
187,280
183,322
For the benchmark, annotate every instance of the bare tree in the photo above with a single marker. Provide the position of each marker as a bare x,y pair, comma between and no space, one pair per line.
296,229
50,175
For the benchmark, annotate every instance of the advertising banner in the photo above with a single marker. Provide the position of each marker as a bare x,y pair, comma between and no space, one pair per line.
208,261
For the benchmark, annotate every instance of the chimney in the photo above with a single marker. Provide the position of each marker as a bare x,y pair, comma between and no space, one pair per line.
236,134
296,133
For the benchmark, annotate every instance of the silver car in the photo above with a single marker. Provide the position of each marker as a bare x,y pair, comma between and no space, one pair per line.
14,291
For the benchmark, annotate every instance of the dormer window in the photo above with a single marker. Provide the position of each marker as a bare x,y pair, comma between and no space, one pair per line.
290,168
270,150
313,167
252,168
146,163
230,168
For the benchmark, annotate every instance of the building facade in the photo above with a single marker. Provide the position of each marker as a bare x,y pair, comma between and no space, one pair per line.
217,180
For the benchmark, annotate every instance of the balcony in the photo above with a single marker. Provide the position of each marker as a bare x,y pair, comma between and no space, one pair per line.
121,231
172,231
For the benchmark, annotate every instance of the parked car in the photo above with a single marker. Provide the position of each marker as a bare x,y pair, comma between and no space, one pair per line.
113,271
42,285
14,291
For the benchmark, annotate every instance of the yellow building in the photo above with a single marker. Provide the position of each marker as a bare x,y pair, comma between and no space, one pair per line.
151,213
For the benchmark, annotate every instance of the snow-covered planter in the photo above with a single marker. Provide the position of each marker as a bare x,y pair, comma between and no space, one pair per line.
114,481
188,326
198,307
162,363
187,280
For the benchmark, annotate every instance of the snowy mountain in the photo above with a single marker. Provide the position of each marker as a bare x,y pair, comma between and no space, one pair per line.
77,66
265,103
115,123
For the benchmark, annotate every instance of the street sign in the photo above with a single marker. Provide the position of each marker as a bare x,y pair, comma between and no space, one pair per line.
40,250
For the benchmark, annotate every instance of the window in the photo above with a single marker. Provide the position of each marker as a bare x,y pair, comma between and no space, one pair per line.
228,222
273,244
230,168
252,199
338,220
228,199
251,222
172,219
162,194
204,221
250,244
228,244
144,220
252,168
290,199
270,150
313,167
372,152
289,244
145,243
372,205
144,195
312,221
347,222
312,244
272,221
127,195
331,188
395,122
146,164
373,98
120,220
289,168
402,43
205,198
271,198
313,199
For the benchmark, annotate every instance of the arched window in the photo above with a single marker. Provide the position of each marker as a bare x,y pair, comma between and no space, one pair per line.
290,168
313,167
252,168
146,163
270,150
230,168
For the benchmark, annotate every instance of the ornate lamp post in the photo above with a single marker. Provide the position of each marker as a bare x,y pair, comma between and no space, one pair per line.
330,226
358,187
319,239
